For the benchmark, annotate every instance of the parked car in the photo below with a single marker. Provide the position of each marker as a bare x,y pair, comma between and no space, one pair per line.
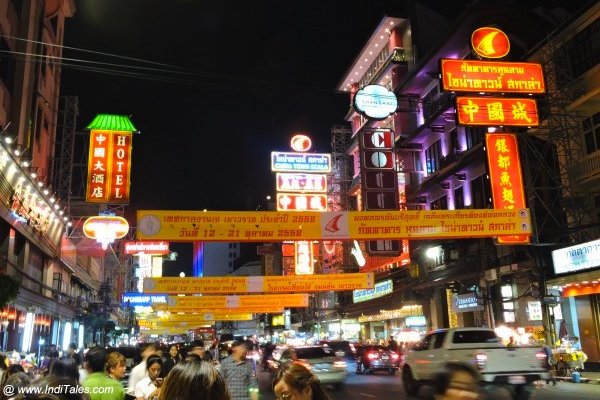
329,368
513,367
371,358
344,349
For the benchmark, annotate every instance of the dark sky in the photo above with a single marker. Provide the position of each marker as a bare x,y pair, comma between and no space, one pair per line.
255,73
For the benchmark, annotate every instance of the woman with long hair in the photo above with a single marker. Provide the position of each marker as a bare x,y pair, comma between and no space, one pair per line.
65,367
173,358
193,379
295,381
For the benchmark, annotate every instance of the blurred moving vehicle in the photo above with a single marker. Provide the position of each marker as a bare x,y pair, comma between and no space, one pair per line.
371,358
330,369
344,349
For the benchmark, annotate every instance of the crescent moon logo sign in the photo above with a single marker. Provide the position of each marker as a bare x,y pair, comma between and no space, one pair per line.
332,225
490,42
301,143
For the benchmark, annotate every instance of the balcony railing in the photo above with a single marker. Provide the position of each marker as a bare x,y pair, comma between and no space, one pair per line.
588,168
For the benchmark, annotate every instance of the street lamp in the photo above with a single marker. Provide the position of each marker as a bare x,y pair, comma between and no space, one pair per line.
182,274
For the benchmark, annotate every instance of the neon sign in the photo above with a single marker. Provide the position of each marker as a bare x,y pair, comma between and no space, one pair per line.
490,42
300,162
105,229
497,111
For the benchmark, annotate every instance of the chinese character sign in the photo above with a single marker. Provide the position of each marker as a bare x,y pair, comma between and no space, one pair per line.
109,167
496,111
505,177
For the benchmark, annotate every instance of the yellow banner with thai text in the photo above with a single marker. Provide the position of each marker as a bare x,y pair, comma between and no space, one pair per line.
249,303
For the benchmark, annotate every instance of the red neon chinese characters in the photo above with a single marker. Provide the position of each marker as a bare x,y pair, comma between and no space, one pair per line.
505,177
499,111
98,168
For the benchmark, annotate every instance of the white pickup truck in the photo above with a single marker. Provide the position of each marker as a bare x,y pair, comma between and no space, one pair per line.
514,367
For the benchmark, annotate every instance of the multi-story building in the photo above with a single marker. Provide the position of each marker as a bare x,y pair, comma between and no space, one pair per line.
55,285
442,165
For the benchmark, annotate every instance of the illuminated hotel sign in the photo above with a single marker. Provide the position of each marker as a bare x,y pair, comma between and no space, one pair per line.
577,258
499,111
146,247
301,182
300,162
105,229
490,42
375,101
492,76
301,202
506,178
380,289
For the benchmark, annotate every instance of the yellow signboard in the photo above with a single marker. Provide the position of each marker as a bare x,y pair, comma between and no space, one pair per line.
144,324
277,226
259,284
253,310
207,316
165,331
239,302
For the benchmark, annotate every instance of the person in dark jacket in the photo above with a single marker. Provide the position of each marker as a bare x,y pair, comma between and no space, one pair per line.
173,358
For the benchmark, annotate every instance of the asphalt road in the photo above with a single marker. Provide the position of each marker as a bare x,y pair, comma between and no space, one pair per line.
383,386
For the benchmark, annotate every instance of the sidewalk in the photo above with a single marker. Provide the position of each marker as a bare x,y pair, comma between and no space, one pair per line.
586,377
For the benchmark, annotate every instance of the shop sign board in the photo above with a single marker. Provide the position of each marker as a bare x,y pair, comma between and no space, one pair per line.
301,182
466,302
506,178
143,300
259,284
153,248
149,324
490,42
534,310
263,226
109,167
497,111
375,102
492,76
301,202
252,310
105,229
304,263
380,289
415,321
300,143
203,316
253,302
300,162
577,258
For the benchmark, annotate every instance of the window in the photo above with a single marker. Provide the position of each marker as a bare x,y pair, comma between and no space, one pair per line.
459,198
440,203
311,352
481,192
454,140
475,336
57,281
591,132
584,49
438,339
433,156
7,65
474,135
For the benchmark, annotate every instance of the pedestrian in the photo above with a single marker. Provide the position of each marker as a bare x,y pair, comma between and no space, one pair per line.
193,379
15,381
66,367
550,362
239,374
197,347
115,366
511,342
172,359
50,356
3,366
393,345
149,387
73,353
458,382
97,382
140,371
295,382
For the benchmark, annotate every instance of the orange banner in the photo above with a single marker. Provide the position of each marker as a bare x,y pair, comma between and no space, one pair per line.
205,316
259,284
506,178
237,303
490,111
252,310
109,167
492,76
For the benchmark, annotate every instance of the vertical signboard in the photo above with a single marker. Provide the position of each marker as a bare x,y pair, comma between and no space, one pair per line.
379,182
506,178
109,167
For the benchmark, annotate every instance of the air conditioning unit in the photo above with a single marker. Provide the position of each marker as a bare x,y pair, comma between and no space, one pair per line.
491,275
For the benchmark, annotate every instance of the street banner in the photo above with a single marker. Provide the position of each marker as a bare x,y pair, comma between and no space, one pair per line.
165,331
250,303
206,316
259,284
277,226
145,324
253,310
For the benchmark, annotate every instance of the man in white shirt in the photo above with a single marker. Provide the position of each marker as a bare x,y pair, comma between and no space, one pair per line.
139,372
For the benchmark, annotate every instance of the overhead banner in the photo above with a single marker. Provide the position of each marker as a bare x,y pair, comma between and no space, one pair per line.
277,226
497,111
109,167
253,302
168,324
207,316
506,178
165,331
251,310
492,76
259,284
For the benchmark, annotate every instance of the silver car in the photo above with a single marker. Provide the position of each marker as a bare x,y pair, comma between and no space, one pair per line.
322,362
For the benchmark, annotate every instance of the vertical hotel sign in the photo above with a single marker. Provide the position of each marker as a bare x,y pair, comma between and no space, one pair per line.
506,178
109,164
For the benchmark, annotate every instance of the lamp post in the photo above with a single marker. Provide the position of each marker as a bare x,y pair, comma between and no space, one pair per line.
40,344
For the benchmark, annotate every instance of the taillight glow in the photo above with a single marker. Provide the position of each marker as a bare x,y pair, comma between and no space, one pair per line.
395,356
372,356
481,360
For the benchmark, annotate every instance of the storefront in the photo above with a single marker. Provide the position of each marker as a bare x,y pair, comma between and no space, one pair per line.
398,323
578,281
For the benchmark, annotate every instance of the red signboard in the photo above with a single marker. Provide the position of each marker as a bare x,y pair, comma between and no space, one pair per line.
301,202
506,178
382,159
492,76
146,247
490,42
378,139
109,167
301,182
499,111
